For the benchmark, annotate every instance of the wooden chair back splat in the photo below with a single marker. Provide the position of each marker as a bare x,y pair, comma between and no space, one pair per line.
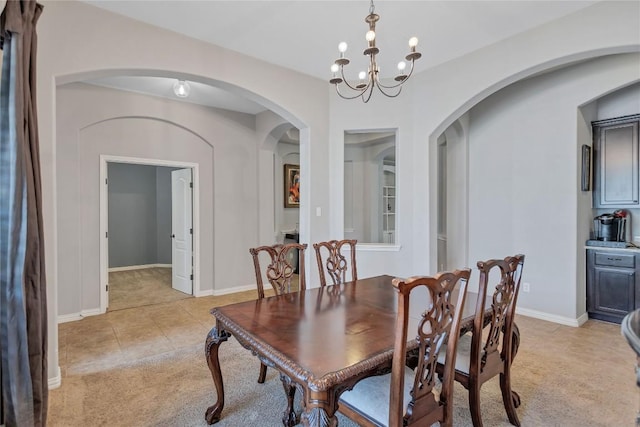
332,261
279,272
411,398
495,338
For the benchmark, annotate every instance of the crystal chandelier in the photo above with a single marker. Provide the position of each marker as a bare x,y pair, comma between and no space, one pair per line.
370,78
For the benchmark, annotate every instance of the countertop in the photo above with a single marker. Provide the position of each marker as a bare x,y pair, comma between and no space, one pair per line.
605,248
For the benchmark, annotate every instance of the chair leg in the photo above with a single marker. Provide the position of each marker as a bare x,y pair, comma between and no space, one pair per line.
289,418
474,404
263,373
510,398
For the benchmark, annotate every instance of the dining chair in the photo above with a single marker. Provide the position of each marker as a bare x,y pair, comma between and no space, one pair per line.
280,272
407,397
331,260
490,347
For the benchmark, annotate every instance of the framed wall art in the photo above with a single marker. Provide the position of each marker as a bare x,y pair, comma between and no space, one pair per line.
291,186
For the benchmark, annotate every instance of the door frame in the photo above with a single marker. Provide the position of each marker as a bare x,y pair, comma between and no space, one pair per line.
104,218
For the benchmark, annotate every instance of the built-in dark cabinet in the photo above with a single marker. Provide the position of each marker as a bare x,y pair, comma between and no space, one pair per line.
613,285
616,163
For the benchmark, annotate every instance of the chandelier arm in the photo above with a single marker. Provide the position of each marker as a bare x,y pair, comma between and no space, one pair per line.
400,83
389,95
383,88
369,96
346,82
347,97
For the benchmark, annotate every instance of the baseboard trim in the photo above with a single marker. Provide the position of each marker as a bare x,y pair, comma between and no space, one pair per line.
219,292
583,319
56,381
552,317
64,318
138,267
206,293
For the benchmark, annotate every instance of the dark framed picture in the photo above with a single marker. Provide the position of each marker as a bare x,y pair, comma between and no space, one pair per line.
291,186
586,168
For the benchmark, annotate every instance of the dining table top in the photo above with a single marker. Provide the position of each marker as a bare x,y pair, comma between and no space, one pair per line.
324,340
325,330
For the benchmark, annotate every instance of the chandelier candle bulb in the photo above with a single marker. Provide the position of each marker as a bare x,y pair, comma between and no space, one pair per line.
364,88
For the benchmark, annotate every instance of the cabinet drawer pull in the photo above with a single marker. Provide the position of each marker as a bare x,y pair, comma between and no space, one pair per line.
615,259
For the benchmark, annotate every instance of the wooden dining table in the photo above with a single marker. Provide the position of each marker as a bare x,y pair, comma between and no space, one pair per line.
322,341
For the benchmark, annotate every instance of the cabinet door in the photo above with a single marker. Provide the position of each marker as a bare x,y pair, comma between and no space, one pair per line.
616,149
612,291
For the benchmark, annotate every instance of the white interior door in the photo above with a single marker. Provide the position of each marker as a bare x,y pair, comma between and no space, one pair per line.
182,231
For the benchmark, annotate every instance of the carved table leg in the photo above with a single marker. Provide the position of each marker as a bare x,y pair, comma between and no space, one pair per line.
319,407
289,419
318,417
214,338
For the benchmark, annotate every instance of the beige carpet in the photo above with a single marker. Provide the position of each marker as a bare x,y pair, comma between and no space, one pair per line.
565,376
136,288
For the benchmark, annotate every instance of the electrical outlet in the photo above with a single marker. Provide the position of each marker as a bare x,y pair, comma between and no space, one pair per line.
525,287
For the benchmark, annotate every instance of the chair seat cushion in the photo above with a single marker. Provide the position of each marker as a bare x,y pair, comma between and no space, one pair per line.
463,356
371,396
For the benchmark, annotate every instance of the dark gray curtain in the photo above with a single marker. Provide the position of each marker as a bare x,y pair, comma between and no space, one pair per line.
23,309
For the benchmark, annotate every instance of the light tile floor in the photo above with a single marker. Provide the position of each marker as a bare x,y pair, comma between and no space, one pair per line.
104,341
590,362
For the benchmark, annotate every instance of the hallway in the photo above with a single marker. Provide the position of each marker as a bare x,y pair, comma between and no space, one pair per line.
138,288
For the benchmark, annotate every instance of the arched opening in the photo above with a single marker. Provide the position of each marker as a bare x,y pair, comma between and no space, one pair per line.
514,168
181,134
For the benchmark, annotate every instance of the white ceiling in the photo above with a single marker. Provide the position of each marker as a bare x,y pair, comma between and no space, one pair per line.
303,35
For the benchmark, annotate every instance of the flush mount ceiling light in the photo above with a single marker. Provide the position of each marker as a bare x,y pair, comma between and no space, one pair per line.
370,78
181,88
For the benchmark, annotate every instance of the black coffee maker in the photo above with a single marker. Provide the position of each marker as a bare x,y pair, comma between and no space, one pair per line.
611,227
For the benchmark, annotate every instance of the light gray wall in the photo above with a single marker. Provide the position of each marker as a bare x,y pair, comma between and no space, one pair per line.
133,231
431,101
93,49
524,192
526,142
139,214
457,212
379,113
96,121
623,102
